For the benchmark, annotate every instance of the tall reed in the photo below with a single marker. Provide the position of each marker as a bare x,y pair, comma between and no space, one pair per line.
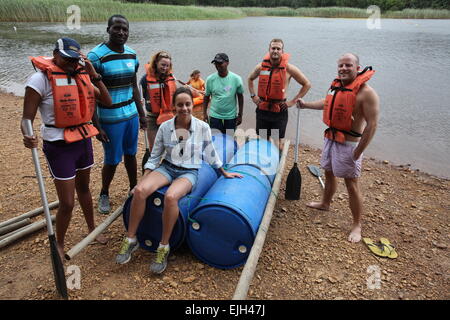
100,10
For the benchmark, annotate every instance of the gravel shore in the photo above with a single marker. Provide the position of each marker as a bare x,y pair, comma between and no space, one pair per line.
306,254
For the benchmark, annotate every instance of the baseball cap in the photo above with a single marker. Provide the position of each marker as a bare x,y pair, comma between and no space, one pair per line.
68,48
220,57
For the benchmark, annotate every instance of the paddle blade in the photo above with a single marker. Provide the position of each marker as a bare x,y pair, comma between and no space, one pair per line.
145,159
58,268
315,170
293,184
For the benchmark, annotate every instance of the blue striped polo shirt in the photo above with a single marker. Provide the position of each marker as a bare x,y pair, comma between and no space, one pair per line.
117,70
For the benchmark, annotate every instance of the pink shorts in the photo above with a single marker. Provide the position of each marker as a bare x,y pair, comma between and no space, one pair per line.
338,158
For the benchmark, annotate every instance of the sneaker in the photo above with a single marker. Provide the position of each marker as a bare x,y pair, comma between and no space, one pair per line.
103,204
160,263
126,250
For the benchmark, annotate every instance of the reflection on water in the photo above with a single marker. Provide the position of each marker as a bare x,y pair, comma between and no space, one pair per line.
411,58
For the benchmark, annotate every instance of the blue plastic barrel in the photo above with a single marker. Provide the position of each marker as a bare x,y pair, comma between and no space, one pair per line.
225,146
261,153
150,229
223,226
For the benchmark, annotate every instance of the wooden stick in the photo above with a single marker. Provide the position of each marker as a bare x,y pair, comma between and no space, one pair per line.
91,236
14,226
250,266
26,231
29,214
12,232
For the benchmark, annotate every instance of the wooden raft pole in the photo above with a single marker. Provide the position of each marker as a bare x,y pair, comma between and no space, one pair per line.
91,236
14,226
26,231
29,214
250,266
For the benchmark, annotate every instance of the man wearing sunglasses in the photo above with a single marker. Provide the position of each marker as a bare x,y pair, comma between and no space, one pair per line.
223,89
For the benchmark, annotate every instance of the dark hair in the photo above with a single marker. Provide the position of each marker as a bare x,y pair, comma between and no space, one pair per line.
179,91
195,72
111,19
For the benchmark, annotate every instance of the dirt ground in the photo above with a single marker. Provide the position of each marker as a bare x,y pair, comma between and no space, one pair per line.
306,254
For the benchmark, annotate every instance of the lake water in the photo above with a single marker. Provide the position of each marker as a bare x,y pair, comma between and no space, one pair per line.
411,57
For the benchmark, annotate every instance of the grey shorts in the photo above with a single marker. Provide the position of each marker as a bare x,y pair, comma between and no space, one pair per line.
338,158
172,173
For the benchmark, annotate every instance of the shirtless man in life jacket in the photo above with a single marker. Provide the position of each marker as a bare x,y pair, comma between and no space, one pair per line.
350,110
274,74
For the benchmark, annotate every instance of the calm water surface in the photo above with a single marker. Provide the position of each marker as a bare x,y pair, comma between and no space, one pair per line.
411,57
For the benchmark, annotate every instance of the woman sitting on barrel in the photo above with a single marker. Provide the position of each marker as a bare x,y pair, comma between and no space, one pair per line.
184,139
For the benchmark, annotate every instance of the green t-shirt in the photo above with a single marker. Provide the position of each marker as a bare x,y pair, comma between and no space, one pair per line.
223,95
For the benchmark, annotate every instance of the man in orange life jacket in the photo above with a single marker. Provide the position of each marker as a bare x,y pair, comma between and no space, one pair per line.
350,110
274,74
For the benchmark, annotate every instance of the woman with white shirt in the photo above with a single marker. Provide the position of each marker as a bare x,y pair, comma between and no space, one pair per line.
183,139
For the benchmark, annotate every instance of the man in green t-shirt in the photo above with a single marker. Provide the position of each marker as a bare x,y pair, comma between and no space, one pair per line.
223,88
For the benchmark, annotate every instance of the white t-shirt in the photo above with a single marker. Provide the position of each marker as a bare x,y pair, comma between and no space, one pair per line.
39,82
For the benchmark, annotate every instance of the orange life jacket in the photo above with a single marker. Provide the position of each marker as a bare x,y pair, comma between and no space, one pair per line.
160,95
339,104
73,101
271,83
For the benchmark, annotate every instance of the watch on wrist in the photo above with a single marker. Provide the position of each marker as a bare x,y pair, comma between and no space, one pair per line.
252,95
97,78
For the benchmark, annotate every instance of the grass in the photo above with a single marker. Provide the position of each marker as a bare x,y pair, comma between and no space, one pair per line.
101,10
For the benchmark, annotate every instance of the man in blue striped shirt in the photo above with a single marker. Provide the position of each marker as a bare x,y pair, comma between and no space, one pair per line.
119,124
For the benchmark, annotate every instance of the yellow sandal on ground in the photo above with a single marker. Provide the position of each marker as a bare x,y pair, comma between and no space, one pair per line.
375,248
387,246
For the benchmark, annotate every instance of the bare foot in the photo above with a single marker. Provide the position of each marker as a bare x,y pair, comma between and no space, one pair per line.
318,205
101,239
355,234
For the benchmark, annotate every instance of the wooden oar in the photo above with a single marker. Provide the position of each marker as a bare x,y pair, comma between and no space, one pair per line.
58,268
316,172
294,179
185,84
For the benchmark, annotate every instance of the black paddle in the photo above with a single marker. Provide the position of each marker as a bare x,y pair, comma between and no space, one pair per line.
294,179
147,151
316,172
58,268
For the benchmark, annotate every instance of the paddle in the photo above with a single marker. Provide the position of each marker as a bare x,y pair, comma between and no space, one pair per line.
147,151
58,268
294,179
316,172
185,84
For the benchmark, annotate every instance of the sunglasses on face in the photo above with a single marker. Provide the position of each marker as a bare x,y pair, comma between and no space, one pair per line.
71,60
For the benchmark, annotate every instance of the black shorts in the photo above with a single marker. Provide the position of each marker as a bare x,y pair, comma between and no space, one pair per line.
273,122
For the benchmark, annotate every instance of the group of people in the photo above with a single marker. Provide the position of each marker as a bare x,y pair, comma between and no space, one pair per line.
98,95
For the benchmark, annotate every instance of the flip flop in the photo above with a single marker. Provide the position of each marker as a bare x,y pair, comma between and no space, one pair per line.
387,246
376,249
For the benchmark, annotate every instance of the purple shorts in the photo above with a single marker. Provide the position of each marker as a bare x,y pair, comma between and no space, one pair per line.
338,158
65,159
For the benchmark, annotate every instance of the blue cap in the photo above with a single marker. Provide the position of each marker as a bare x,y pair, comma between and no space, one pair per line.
68,48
